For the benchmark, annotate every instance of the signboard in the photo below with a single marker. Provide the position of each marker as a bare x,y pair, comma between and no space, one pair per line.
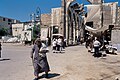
44,33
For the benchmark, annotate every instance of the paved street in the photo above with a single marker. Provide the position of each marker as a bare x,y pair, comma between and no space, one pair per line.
75,64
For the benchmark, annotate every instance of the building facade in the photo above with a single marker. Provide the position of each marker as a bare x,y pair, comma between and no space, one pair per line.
46,19
56,20
110,13
17,29
99,17
45,25
7,23
72,21
23,31
51,22
118,16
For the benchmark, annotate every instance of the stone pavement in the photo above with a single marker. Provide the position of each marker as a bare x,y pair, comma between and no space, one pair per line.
75,63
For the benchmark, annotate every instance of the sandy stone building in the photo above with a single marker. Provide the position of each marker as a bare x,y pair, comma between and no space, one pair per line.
23,31
56,20
107,18
17,29
61,21
45,24
118,16
51,23
46,19
72,21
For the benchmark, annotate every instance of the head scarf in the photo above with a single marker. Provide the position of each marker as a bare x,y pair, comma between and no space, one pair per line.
38,42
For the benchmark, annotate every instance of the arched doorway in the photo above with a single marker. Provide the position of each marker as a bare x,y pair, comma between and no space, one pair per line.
74,23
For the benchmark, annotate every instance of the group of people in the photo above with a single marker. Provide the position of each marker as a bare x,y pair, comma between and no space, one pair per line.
39,50
39,58
58,44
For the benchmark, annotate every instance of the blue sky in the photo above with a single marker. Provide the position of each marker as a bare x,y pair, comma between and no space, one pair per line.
21,9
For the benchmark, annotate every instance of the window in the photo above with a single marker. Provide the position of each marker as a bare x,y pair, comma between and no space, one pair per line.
9,20
8,23
3,19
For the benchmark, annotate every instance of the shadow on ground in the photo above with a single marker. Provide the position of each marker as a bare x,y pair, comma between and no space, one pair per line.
4,59
50,75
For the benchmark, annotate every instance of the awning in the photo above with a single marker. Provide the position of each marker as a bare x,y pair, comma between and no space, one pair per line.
57,35
88,28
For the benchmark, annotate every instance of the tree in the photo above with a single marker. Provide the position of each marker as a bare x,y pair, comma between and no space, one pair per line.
3,31
36,31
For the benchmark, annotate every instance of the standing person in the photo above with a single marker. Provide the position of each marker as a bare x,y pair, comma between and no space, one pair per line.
46,41
59,43
64,43
0,49
39,59
57,47
54,44
87,42
96,45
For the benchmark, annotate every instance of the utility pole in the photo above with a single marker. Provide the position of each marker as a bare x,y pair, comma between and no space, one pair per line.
32,23
38,14
64,23
101,7
102,19
38,19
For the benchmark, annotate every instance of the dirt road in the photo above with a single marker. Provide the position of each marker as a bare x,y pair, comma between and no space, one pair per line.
75,63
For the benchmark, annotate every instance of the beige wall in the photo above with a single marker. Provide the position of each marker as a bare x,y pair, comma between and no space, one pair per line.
109,14
46,19
56,16
96,1
115,36
17,29
118,16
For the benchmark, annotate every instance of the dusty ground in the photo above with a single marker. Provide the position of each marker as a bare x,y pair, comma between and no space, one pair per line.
75,63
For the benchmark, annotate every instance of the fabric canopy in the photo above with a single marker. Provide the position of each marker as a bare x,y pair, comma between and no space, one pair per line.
57,35
88,28
94,1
